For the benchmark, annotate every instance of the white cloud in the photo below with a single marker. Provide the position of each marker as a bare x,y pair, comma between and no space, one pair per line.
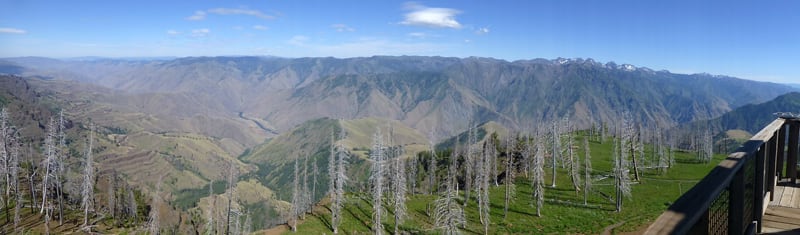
260,27
173,32
235,11
431,17
298,40
198,15
13,31
200,32
342,28
482,31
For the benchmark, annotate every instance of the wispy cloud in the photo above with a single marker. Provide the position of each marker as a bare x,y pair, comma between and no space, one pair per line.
342,28
236,11
418,34
421,15
298,40
198,15
201,15
200,32
482,31
173,32
260,27
368,47
13,31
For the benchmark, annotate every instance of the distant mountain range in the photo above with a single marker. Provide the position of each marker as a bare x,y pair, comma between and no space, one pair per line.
437,95
753,117
186,118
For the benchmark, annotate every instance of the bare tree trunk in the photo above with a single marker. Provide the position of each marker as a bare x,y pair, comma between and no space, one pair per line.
32,177
412,174
232,176
295,195
111,198
482,184
154,226
338,196
509,181
556,150
377,157
306,195
88,181
209,229
469,164
538,176
314,173
447,214
62,148
587,171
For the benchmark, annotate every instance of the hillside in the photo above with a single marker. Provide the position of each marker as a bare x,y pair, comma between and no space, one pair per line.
753,117
137,147
275,158
563,210
435,95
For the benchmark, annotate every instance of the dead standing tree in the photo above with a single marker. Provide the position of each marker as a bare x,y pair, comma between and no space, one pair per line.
377,175
448,214
87,192
340,180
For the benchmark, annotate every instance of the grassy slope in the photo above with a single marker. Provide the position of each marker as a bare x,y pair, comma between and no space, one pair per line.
563,211
276,157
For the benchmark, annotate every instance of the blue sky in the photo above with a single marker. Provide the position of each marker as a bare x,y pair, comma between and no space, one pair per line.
757,40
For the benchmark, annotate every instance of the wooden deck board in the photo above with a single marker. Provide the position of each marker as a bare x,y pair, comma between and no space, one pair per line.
792,213
786,198
784,220
781,220
783,217
778,193
779,226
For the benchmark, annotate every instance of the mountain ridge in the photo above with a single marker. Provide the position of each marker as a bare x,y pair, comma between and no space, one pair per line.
437,95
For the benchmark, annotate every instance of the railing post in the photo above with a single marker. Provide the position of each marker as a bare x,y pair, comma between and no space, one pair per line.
772,153
791,163
781,150
758,194
736,203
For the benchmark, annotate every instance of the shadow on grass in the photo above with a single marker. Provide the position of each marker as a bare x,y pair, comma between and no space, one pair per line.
576,205
511,209
325,222
350,211
687,161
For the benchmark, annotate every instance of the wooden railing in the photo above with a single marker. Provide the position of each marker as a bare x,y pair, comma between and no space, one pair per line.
732,198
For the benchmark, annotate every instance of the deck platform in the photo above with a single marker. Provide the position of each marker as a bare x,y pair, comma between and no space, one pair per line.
783,213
